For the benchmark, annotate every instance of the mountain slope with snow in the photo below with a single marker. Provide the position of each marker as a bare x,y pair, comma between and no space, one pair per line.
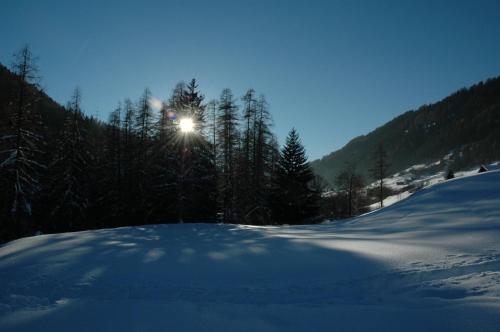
429,262
464,127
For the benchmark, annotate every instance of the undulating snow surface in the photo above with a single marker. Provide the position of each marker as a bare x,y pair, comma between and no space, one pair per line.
430,262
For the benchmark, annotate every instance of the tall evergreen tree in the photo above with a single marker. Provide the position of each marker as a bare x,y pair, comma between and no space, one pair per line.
164,171
258,160
228,139
193,103
21,147
200,170
111,171
69,192
212,132
142,163
129,164
294,199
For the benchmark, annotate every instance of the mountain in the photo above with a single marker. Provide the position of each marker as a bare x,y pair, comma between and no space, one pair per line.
428,263
463,129
52,113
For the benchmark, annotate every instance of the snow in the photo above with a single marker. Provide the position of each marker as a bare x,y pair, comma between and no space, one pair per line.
430,262
412,180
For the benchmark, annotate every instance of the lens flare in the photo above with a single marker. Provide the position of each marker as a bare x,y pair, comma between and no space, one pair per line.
186,125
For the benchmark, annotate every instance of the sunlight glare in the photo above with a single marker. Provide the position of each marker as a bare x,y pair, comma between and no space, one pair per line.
186,125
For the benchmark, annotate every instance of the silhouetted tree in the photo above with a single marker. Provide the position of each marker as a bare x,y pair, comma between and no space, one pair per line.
294,199
21,148
227,143
69,195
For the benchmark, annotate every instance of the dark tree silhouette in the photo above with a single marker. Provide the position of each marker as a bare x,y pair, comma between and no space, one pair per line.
228,141
69,169
21,148
294,199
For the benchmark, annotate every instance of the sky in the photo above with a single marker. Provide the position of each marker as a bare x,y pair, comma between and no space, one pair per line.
334,70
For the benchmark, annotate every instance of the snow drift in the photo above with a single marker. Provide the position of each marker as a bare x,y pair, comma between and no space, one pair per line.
429,262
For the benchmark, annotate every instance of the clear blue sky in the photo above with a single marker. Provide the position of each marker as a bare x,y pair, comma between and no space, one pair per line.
332,69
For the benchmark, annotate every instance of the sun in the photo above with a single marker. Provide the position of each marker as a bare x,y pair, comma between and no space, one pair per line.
186,125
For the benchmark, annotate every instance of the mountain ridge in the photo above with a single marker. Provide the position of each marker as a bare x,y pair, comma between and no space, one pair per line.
464,123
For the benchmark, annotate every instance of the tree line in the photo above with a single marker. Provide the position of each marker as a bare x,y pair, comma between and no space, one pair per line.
140,167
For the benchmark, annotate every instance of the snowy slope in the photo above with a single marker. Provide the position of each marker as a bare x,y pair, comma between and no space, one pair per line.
430,262
406,182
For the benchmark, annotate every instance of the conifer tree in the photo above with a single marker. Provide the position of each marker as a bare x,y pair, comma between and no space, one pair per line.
212,132
69,192
111,172
21,148
228,140
193,102
164,169
142,161
128,164
294,199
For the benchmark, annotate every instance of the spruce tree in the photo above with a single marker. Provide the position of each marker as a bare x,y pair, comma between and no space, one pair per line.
294,199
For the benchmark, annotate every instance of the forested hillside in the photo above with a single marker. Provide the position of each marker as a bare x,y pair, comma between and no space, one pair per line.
50,111
189,161
465,124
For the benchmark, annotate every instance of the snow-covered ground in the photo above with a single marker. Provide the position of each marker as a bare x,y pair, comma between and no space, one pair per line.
416,177
430,262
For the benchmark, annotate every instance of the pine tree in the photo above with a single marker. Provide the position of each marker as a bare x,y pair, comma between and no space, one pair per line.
212,108
249,114
143,162
165,164
69,191
294,200
21,149
111,172
193,103
114,145
144,126
228,140
197,169
243,165
129,164
257,158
